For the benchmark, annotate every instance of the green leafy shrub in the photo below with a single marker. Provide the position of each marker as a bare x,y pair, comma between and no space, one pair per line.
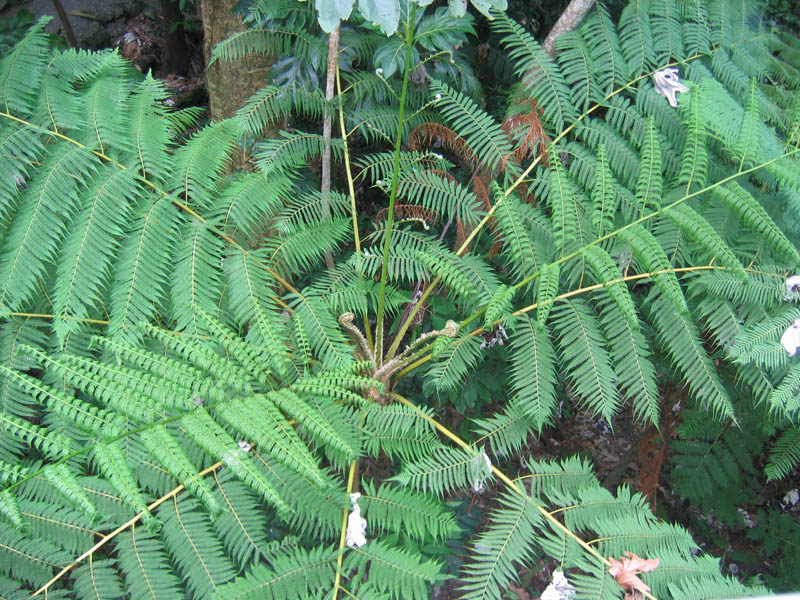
189,395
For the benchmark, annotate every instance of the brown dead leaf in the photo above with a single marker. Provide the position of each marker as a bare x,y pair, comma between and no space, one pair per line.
625,571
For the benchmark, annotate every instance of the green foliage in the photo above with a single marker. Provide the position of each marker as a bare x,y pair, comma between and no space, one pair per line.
198,350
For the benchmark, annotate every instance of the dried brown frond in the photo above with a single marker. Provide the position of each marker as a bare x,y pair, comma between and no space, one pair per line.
436,135
526,132
409,211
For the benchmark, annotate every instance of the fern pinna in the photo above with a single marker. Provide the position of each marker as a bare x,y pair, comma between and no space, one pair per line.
191,399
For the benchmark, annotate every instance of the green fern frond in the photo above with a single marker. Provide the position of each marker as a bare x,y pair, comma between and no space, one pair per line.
752,214
522,256
636,39
784,398
262,424
784,454
31,241
606,272
450,469
398,431
481,132
110,461
98,579
398,510
324,335
149,130
701,232
648,184
204,357
206,433
557,479
197,277
242,525
195,547
314,421
575,61
633,365
582,350
248,201
545,82
452,365
444,196
96,420
21,71
747,149
143,558
604,200
399,572
609,66
200,161
565,209
167,369
694,158
269,104
24,559
249,292
511,538
170,454
666,27
53,444
533,371
679,335
142,269
291,150
291,573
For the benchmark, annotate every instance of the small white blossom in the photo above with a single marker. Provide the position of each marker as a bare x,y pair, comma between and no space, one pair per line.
792,288
559,588
244,446
379,72
668,84
355,536
791,338
437,97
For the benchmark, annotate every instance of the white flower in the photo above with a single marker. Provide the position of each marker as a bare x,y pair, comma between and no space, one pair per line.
668,84
356,525
244,446
437,97
559,588
792,288
379,72
791,338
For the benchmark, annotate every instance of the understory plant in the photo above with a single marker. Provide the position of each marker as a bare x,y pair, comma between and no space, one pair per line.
196,402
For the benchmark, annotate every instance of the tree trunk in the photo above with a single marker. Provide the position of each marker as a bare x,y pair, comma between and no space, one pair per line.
230,83
569,20
176,51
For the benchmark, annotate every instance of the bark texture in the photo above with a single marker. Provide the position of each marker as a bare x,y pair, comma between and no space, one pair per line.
569,20
230,83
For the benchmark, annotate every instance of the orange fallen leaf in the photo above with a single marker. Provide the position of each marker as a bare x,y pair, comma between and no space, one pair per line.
625,571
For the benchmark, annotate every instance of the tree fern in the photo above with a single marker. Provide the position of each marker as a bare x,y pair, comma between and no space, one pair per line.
177,350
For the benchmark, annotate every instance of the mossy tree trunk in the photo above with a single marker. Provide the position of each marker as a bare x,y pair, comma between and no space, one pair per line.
230,84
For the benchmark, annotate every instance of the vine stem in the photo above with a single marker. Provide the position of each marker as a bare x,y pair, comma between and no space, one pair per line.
409,42
119,530
351,475
510,483
352,191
